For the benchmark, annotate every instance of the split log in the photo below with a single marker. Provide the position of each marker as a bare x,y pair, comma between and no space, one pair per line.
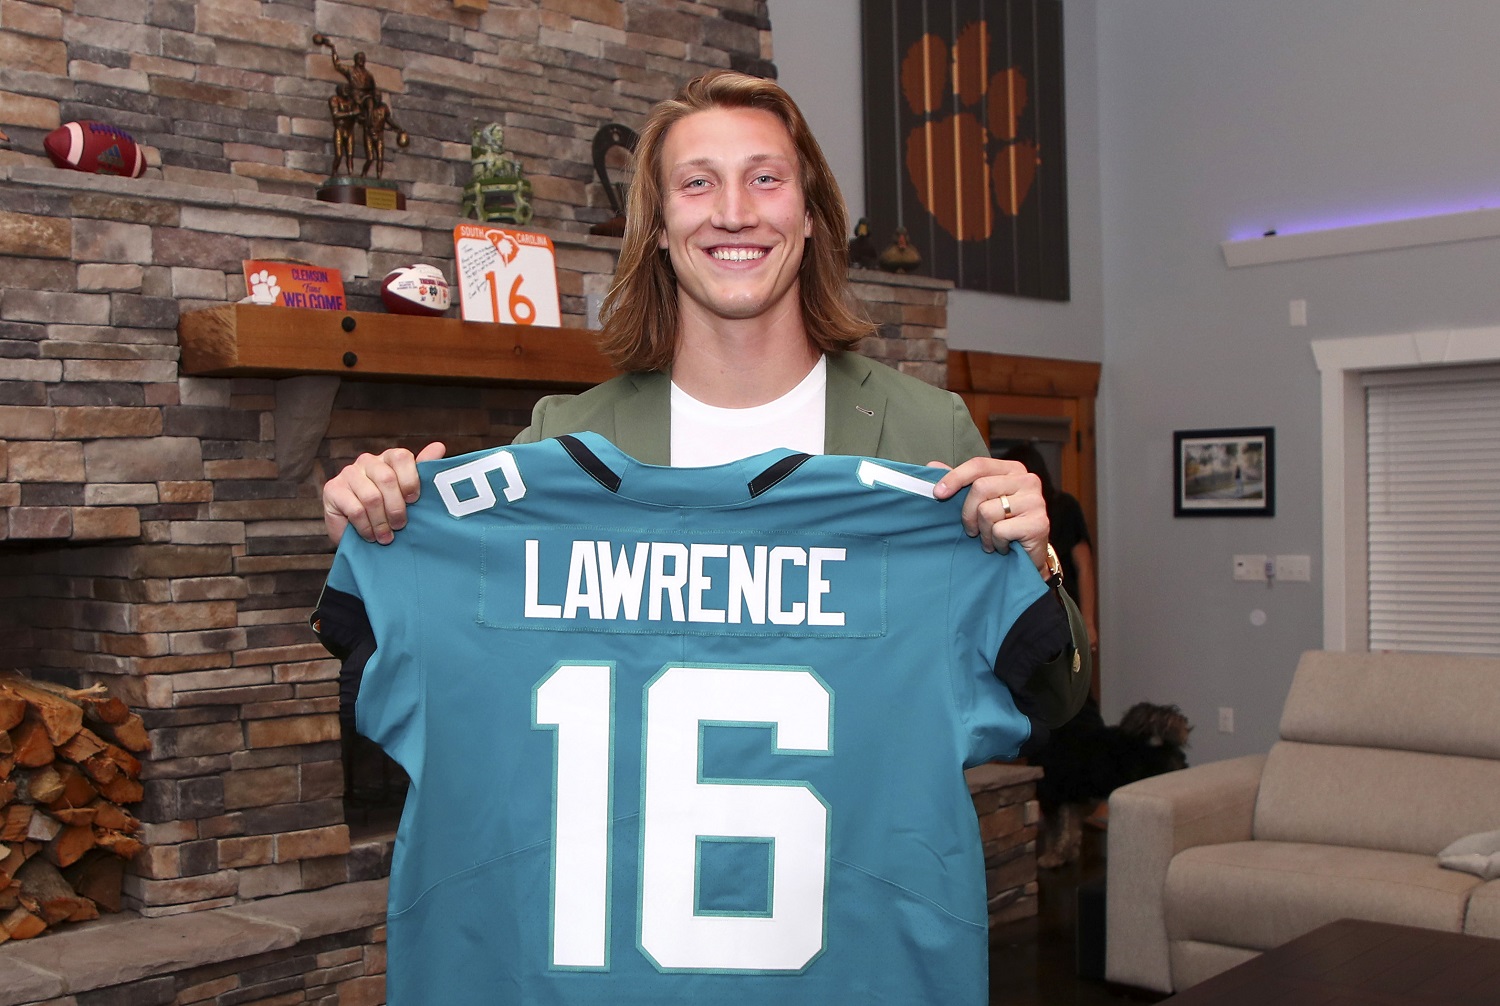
77,790
118,842
20,924
38,785
12,710
33,748
122,789
11,860
114,817
54,897
70,843
14,820
74,815
42,827
81,746
61,715
112,719
100,877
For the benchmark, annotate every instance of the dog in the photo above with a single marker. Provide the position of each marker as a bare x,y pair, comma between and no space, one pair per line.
1084,761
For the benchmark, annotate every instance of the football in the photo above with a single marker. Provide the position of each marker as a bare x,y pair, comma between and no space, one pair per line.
95,148
415,289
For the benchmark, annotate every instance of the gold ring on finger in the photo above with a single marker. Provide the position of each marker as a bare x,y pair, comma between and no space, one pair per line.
1005,506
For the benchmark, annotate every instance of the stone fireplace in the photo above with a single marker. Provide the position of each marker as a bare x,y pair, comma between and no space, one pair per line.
162,531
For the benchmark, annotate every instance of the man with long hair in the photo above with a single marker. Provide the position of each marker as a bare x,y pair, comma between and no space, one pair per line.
733,325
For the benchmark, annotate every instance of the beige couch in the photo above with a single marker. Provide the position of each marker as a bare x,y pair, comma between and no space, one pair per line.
1384,759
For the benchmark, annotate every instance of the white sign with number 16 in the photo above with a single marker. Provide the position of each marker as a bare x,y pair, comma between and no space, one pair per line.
507,276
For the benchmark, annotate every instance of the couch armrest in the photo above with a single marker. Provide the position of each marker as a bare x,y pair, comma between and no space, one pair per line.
1150,822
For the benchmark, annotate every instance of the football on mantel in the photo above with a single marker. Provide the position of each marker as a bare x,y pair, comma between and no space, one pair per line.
95,148
415,289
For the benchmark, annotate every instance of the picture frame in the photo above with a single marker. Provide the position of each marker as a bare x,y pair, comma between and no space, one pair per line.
1224,473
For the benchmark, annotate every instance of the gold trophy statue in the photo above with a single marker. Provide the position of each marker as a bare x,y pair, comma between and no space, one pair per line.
358,104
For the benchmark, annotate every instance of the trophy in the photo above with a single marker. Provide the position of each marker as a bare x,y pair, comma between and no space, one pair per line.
357,105
499,189
606,139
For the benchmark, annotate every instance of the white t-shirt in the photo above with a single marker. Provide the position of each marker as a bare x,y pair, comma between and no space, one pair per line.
705,435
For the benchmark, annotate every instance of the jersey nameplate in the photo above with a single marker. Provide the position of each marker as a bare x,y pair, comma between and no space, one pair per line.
645,581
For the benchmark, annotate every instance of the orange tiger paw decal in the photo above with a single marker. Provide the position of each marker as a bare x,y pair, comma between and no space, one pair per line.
967,163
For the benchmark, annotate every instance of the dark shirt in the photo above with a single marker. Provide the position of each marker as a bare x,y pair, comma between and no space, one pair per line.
1068,529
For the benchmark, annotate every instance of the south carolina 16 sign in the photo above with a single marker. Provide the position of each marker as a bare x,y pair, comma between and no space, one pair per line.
507,276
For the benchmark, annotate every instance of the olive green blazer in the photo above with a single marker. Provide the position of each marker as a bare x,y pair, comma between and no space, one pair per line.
872,411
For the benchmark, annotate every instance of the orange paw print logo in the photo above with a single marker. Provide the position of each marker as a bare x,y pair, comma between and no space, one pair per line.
966,158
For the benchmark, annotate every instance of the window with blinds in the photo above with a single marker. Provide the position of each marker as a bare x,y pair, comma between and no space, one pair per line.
1433,470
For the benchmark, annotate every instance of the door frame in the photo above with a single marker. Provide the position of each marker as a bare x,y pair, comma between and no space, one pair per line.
998,383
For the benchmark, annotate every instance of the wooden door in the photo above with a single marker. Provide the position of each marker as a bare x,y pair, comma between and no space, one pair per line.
1049,403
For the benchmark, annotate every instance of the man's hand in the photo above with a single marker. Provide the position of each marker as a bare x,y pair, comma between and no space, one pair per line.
372,492
997,485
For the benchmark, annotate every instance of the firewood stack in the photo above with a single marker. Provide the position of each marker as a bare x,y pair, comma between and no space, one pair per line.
68,767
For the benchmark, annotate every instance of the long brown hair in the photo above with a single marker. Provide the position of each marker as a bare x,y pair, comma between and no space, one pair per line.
640,311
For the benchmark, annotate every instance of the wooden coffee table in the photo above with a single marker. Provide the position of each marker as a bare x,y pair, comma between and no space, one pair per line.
1355,963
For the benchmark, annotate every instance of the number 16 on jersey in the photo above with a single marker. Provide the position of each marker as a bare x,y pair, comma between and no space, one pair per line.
507,276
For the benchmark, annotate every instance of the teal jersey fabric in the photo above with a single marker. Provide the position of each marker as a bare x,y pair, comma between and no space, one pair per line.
685,735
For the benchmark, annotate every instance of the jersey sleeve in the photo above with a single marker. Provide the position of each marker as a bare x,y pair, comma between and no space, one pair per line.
999,620
380,675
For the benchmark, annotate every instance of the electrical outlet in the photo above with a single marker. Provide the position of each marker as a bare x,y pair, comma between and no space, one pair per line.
1226,720
1250,567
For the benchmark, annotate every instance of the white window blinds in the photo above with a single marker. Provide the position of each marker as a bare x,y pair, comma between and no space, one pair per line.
1433,457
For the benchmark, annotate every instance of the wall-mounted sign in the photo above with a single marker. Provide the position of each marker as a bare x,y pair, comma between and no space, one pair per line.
291,284
964,139
506,275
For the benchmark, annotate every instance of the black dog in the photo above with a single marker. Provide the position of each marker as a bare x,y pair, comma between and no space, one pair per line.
1084,761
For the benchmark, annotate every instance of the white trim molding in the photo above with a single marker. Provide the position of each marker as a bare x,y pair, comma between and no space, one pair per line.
1470,225
1342,363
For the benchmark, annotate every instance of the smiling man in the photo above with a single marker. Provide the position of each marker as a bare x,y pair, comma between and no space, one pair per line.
733,326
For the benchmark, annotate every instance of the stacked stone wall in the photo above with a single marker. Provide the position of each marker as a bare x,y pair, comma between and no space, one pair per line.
233,94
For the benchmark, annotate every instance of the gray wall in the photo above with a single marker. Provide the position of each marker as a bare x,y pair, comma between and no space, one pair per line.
1201,122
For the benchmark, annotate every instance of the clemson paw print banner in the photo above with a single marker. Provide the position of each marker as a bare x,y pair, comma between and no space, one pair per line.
964,139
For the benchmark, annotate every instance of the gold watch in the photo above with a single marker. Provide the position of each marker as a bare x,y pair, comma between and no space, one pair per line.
1054,567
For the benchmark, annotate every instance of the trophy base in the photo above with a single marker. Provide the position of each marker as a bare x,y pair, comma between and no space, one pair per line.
373,192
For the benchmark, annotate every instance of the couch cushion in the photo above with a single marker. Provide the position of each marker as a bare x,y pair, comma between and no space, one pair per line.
1484,911
1374,798
1410,701
1258,895
1477,854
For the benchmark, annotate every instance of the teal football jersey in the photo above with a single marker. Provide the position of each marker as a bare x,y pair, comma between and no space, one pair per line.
685,735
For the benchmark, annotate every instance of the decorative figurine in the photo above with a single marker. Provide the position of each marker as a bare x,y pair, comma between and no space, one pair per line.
902,255
606,139
359,102
499,189
345,115
862,254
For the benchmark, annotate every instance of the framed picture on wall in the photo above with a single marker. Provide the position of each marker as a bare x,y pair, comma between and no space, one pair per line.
1225,473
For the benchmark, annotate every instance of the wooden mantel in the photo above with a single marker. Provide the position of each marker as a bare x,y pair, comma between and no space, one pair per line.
251,340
